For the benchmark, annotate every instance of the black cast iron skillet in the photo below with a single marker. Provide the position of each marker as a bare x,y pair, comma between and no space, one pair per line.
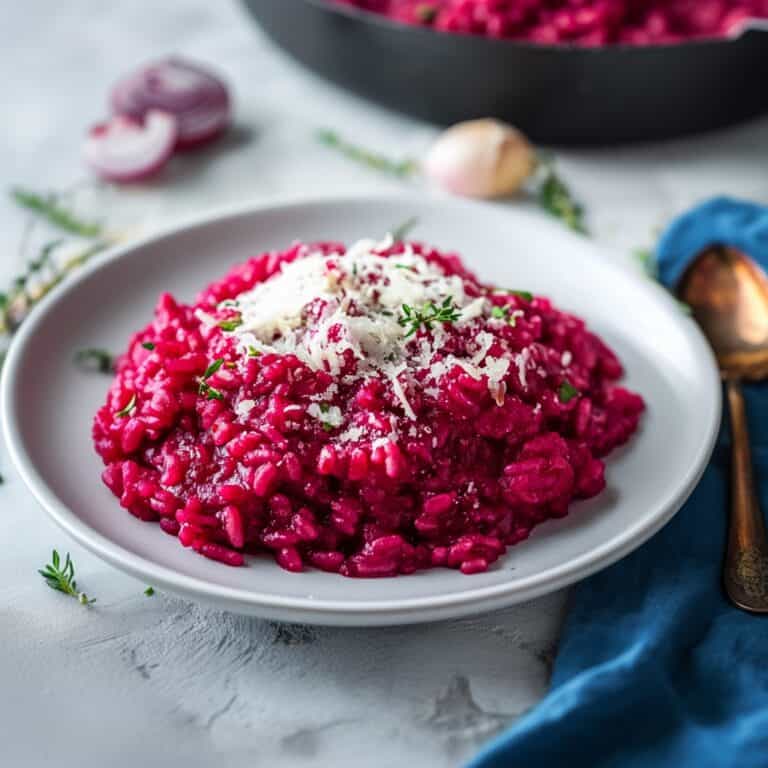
555,94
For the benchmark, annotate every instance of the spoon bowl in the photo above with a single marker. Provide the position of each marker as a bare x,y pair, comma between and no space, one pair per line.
728,296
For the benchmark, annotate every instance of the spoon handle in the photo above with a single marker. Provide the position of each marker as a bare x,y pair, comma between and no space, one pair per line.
745,572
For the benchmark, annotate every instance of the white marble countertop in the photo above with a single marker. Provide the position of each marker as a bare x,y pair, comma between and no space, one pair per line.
152,681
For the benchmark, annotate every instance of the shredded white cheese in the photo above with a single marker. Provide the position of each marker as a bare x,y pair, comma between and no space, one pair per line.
344,313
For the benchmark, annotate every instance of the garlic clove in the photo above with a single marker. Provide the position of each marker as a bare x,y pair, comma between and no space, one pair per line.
480,158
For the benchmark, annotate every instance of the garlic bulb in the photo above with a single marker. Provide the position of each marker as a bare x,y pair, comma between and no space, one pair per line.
480,158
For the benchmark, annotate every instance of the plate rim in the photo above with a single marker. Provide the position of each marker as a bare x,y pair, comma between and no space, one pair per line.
332,611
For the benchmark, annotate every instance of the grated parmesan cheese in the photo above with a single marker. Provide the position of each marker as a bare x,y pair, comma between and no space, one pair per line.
330,309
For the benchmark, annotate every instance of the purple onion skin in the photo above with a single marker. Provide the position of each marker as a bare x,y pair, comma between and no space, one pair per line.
198,99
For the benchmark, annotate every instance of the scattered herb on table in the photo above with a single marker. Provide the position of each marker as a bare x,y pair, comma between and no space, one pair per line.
400,232
62,578
48,206
17,301
95,359
555,197
149,591
413,318
567,392
2,480
375,160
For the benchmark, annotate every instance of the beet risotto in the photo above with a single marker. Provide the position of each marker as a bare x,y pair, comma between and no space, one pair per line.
576,22
370,411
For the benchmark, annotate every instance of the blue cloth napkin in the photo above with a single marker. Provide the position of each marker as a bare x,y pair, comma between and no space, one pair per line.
655,667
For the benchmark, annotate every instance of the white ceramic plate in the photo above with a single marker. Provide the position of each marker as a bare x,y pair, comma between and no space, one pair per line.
48,405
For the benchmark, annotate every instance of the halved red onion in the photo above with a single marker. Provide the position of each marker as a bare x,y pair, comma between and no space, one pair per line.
198,99
126,149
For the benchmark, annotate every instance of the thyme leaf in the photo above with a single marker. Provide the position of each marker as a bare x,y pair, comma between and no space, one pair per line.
213,367
400,232
127,408
374,160
205,388
555,197
231,323
47,206
567,392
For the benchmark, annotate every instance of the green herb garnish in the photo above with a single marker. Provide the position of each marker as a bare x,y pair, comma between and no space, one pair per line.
213,367
149,591
555,197
524,295
123,412
413,318
62,579
148,345
364,156
253,352
95,359
324,407
400,232
499,312
206,389
210,392
567,392
231,323
47,206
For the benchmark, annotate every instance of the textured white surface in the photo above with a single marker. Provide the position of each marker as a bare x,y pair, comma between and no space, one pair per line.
159,681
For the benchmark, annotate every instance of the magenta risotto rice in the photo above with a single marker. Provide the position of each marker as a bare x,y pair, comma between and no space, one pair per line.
370,411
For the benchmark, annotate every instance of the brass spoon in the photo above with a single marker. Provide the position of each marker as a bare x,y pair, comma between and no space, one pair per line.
728,295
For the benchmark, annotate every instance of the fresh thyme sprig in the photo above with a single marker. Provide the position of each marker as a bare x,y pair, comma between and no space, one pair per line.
48,206
375,160
62,578
413,318
95,359
555,197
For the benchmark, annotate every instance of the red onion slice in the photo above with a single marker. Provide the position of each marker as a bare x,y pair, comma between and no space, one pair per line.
198,99
125,149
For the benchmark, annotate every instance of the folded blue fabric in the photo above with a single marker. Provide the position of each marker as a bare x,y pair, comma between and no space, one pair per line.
655,667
